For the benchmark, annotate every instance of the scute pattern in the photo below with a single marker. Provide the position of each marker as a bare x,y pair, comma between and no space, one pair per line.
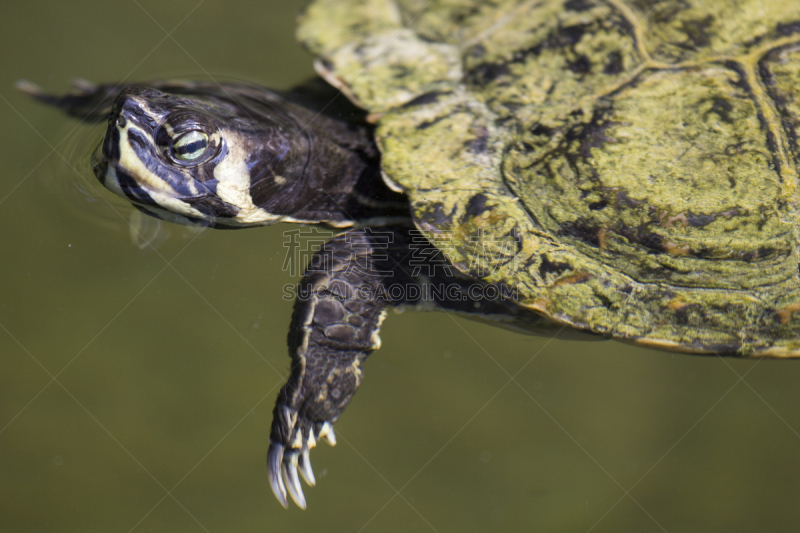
542,63
660,168
454,22
634,164
693,30
781,74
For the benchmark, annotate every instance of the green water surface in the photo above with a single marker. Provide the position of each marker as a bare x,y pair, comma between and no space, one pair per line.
137,383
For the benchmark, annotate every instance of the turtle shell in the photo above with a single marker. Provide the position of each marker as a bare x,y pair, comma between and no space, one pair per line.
628,168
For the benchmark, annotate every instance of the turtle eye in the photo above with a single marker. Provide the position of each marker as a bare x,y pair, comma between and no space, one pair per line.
190,146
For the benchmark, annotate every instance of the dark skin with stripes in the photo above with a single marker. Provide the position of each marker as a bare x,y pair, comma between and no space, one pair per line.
187,134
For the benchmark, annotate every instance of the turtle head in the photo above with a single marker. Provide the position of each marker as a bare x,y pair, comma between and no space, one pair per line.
191,159
234,155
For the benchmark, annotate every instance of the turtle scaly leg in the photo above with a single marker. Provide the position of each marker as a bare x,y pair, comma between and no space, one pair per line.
337,315
334,328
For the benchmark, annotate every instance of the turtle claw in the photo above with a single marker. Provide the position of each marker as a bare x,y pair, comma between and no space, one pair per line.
286,463
30,88
304,464
83,86
289,471
327,433
274,462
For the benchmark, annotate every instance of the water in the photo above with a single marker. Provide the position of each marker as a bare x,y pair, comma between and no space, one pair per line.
136,386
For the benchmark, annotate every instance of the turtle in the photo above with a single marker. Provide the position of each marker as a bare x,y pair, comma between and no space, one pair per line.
626,169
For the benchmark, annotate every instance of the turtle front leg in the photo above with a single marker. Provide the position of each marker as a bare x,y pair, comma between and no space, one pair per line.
334,328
